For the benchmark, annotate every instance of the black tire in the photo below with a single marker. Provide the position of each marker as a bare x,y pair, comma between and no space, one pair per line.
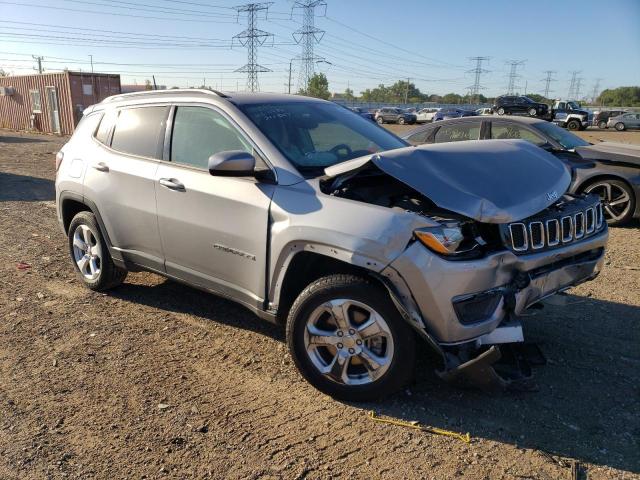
380,120
401,121
626,218
573,125
110,275
620,126
359,289
501,111
533,112
602,125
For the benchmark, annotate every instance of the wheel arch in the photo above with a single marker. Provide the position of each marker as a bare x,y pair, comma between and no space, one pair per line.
602,176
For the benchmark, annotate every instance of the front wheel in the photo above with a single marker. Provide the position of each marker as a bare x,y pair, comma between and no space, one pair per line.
380,120
602,125
501,111
618,200
620,126
90,254
348,340
401,121
533,112
573,125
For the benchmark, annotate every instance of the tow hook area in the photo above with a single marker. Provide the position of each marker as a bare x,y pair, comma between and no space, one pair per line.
505,367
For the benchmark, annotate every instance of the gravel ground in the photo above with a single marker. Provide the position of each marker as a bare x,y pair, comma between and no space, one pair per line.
157,380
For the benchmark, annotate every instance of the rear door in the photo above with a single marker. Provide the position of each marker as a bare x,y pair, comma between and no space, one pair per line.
213,229
120,180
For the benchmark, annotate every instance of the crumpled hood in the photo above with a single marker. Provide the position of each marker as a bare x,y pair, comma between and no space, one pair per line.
492,181
612,152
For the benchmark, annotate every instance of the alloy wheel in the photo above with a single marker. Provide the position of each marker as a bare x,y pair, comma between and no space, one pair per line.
87,252
615,200
348,342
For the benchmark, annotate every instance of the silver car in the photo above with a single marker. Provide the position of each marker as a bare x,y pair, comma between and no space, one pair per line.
624,121
309,215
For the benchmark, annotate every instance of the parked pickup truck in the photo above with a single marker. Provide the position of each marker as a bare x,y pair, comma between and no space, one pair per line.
570,115
311,216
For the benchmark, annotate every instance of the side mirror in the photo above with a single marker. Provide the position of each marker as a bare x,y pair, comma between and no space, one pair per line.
232,163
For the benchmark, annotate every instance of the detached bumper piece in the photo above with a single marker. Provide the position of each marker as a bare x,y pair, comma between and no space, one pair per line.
501,368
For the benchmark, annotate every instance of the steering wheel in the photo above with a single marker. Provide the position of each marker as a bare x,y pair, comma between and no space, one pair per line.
343,146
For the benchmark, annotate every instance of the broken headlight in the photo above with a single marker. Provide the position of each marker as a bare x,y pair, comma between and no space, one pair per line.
452,239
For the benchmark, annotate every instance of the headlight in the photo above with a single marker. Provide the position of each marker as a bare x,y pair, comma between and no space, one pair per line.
449,239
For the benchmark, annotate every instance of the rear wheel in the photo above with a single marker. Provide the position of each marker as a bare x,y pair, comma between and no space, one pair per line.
617,197
573,125
620,126
348,340
90,254
602,124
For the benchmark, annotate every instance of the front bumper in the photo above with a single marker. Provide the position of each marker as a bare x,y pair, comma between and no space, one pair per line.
519,281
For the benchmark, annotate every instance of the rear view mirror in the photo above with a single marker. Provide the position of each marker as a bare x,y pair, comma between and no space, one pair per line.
232,163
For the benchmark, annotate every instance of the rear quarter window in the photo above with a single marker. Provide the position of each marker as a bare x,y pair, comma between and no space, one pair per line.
88,125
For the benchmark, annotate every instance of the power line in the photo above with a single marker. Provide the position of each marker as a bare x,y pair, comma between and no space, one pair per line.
547,82
251,38
474,90
513,75
308,35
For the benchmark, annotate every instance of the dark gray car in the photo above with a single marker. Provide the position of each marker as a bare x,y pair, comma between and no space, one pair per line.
311,216
609,169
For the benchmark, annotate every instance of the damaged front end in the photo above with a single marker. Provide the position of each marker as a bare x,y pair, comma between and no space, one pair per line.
501,236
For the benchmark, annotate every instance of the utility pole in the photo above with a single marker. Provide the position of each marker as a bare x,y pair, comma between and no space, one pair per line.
307,36
526,84
39,60
289,83
406,92
474,90
513,75
252,38
572,86
91,59
547,82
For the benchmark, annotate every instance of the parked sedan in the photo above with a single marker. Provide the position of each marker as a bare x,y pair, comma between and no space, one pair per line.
446,113
484,111
394,115
610,169
625,121
426,115
363,112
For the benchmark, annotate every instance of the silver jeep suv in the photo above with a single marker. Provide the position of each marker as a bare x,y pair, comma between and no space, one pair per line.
310,215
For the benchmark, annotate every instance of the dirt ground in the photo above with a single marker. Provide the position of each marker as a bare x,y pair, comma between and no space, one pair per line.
157,380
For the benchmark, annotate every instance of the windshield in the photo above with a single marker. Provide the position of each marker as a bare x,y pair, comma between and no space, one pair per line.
565,138
314,135
573,105
528,100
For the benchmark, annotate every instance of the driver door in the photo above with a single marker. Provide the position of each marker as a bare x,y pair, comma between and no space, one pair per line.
213,229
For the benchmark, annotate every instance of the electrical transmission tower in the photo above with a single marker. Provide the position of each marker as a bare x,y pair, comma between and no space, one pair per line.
571,94
547,82
474,90
578,87
596,90
308,35
513,75
252,38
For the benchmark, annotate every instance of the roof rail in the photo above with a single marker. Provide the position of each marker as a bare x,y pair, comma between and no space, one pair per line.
181,91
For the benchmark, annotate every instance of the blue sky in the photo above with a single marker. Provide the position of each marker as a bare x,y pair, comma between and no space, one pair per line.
367,42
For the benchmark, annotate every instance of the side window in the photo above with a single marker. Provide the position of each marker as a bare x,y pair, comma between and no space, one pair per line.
199,132
140,131
458,133
419,137
507,131
108,120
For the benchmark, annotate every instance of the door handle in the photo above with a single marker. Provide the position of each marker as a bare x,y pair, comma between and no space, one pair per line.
101,167
172,184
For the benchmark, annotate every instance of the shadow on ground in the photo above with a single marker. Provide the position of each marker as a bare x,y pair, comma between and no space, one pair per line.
23,188
585,405
4,139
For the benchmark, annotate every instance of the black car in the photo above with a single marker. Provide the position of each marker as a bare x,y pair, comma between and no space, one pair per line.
508,104
363,112
395,115
610,169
